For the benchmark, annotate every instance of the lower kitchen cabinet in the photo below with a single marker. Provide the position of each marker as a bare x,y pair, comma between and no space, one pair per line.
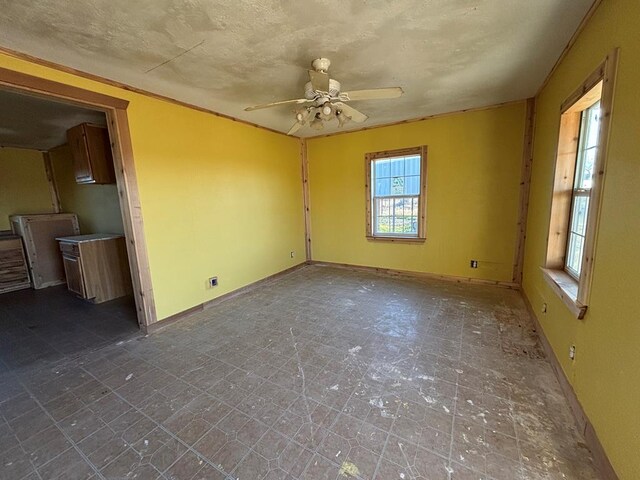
96,266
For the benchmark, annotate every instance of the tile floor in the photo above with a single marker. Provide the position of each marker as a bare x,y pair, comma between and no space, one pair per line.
322,374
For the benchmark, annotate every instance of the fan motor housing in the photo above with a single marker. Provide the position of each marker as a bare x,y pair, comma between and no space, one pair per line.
311,94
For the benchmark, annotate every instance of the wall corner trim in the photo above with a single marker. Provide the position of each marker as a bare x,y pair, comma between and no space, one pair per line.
304,160
585,427
525,187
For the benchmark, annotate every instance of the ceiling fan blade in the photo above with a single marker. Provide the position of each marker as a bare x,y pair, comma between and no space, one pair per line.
351,112
372,94
275,104
319,80
302,121
296,126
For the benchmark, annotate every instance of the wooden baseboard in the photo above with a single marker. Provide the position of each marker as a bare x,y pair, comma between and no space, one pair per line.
154,327
422,275
583,423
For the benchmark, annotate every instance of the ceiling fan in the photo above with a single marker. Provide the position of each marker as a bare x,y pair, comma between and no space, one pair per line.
323,100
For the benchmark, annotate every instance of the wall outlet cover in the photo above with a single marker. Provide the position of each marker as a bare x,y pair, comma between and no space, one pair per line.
473,263
213,282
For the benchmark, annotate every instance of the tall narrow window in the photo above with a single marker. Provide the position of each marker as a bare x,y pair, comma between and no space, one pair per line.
577,189
582,184
396,189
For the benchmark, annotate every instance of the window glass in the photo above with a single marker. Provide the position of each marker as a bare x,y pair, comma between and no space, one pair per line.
396,193
583,181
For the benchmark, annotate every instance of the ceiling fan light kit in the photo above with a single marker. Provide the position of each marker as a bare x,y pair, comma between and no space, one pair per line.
325,100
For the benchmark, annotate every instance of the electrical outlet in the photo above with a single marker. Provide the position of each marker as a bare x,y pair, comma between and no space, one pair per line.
572,352
213,282
544,308
473,263
292,254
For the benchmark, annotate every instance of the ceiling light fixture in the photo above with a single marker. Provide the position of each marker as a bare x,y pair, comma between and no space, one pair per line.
316,123
342,118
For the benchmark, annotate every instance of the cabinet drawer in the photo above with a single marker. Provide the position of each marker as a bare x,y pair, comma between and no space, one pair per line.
70,249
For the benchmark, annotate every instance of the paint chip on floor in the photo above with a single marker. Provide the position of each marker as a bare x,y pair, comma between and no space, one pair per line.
349,469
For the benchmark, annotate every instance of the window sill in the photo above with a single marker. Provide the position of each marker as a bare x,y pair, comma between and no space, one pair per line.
379,238
566,288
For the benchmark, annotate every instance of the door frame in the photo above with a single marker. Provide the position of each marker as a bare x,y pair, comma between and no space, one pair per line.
126,181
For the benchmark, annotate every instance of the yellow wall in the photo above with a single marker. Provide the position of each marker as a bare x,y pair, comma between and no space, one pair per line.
606,371
473,174
218,197
97,206
23,184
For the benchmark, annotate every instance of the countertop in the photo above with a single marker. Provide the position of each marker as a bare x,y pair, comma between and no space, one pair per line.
91,237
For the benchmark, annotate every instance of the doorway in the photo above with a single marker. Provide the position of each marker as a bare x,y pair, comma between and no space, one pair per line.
108,113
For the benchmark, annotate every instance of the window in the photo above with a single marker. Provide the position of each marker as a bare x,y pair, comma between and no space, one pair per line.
582,183
396,185
579,176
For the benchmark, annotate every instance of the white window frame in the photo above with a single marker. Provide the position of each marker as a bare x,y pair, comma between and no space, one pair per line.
371,220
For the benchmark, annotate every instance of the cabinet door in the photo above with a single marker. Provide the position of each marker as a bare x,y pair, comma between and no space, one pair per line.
81,161
73,270
100,157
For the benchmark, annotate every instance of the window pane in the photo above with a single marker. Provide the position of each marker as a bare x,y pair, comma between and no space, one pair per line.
574,253
412,165
584,177
382,168
383,187
593,122
398,225
412,186
579,212
397,185
588,147
383,225
397,166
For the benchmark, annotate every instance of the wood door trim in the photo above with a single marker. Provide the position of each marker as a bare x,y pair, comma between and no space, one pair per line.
47,88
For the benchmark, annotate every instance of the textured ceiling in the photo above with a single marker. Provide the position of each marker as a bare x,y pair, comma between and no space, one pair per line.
33,122
447,55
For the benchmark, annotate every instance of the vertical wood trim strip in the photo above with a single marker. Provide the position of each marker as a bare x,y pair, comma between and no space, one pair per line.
306,199
422,206
525,187
593,219
367,194
124,167
53,188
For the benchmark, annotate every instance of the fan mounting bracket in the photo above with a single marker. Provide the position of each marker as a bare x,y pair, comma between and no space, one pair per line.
321,64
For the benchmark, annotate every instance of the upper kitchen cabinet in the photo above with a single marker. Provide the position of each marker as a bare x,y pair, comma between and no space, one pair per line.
92,158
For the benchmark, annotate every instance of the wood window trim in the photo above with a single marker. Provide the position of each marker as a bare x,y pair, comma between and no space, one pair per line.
422,201
600,84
